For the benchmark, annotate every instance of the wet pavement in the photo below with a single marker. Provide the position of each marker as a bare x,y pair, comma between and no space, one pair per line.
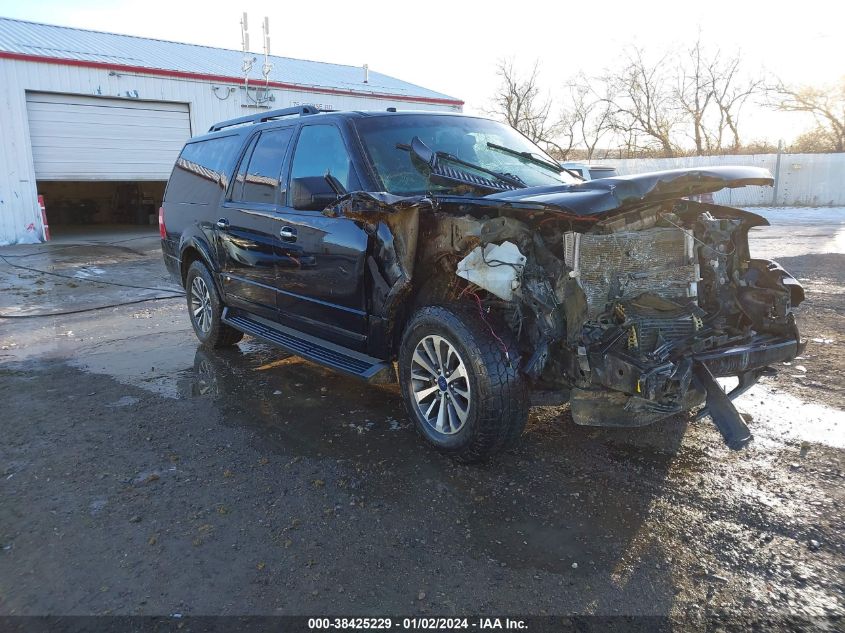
143,474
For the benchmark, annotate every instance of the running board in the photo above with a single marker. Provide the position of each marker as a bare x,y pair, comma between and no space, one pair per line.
310,347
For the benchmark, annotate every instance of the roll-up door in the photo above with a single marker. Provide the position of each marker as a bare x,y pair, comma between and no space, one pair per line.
76,137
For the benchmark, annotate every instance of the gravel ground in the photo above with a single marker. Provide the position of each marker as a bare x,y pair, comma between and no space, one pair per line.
142,475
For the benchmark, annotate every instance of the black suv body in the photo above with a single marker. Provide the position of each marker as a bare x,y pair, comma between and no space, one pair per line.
455,247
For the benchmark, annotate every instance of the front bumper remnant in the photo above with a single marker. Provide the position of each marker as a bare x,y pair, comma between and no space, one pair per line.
638,407
761,351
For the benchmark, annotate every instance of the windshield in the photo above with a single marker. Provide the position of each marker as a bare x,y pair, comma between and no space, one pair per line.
463,137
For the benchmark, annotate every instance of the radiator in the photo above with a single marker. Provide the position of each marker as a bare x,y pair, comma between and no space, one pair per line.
619,266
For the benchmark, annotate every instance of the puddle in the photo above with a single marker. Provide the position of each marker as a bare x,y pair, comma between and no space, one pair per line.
162,364
292,401
297,407
149,362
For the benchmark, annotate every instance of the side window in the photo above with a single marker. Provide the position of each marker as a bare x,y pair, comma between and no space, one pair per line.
240,176
320,149
259,182
201,170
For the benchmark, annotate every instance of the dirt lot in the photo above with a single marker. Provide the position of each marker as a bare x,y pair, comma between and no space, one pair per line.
142,475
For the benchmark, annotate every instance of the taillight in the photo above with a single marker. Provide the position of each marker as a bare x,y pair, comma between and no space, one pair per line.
162,230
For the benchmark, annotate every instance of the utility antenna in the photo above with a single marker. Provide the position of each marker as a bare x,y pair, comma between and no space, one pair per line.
244,33
267,67
248,60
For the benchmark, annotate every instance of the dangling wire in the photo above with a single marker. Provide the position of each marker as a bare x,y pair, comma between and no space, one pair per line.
475,296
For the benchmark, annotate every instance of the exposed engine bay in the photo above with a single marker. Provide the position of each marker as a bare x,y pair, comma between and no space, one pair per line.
632,310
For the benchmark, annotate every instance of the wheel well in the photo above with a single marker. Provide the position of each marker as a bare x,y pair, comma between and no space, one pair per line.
189,256
436,289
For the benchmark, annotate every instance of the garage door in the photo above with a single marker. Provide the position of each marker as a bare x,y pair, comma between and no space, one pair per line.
90,138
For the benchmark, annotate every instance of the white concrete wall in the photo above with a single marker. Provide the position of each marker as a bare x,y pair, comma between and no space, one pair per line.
18,192
804,180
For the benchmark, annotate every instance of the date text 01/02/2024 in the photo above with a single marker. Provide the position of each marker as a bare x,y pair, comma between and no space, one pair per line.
416,623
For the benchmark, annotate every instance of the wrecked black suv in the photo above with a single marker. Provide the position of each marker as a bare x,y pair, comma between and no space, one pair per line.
457,248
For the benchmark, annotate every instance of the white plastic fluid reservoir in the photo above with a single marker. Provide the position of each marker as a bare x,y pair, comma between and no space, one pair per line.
497,270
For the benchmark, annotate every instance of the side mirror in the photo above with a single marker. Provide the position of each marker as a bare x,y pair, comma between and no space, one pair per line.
312,193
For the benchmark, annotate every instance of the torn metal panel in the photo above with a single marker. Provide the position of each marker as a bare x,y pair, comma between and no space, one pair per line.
393,223
364,205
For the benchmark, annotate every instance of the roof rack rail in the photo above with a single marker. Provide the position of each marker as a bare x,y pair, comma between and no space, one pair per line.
261,117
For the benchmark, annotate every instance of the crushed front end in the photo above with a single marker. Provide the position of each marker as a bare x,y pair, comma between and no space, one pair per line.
671,300
621,293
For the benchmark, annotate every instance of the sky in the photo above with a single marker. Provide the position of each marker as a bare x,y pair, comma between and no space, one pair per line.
453,47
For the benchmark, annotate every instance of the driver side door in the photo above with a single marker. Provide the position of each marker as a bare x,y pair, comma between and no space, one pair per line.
321,287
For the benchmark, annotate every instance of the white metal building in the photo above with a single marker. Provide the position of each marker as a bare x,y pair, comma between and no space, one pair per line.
94,121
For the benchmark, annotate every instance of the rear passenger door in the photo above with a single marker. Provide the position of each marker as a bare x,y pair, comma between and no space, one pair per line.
249,245
323,292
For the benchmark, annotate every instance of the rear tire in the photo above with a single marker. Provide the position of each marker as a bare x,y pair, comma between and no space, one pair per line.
460,384
205,309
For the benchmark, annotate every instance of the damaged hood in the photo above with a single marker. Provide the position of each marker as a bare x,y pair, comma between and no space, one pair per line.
611,194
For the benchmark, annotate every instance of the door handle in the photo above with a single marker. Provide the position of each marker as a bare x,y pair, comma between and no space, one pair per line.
222,224
288,234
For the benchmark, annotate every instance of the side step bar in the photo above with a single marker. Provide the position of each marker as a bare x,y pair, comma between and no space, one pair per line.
311,347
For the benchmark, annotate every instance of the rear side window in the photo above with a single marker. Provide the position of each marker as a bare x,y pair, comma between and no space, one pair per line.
200,173
320,150
260,169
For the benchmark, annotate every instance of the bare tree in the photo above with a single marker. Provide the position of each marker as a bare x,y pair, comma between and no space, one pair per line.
564,141
521,104
643,106
730,93
694,93
711,92
825,103
589,113
643,102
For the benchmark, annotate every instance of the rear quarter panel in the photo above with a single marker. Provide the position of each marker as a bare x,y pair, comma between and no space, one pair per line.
192,199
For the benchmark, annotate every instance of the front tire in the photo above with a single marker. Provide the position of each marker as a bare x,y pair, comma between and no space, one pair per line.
460,382
206,309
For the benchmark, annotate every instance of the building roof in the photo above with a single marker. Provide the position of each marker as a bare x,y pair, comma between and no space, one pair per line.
33,41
